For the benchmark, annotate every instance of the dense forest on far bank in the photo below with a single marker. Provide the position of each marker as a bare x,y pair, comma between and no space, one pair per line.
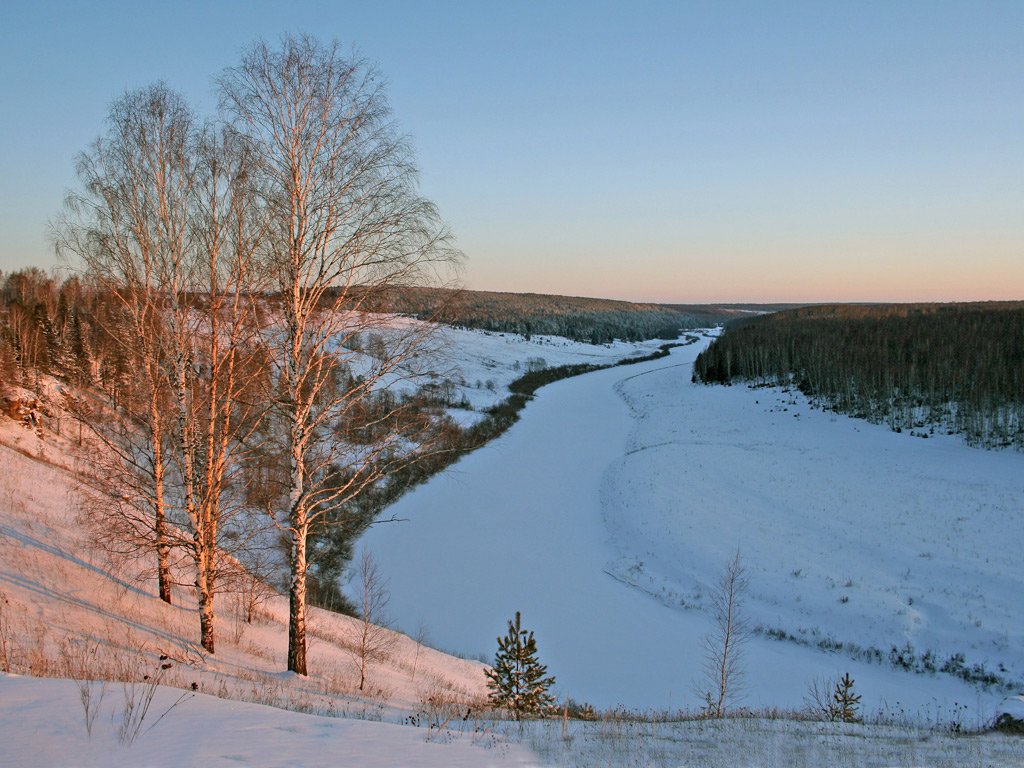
956,368
596,321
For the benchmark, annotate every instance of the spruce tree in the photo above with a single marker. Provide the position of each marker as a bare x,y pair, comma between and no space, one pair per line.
518,681
846,702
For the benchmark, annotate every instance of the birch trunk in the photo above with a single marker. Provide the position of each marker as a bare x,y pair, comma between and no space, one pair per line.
297,605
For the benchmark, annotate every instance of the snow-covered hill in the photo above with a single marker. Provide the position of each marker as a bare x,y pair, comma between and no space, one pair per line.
41,723
69,610
476,367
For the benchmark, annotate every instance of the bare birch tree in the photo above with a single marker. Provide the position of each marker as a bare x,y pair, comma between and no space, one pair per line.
345,222
220,361
135,187
723,647
168,225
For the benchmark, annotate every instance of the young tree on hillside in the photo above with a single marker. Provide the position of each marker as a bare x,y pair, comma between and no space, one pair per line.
345,222
375,639
518,681
845,702
723,647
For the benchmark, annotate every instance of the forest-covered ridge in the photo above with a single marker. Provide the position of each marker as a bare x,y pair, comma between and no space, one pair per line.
597,321
851,310
739,309
958,368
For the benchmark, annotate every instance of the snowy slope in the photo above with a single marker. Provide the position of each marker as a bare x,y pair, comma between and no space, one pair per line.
68,610
605,515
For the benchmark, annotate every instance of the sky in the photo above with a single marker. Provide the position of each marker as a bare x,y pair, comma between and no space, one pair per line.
649,151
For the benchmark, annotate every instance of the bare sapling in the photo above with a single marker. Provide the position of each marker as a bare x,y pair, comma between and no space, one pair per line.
375,639
818,699
723,646
420,638
248,581
833,699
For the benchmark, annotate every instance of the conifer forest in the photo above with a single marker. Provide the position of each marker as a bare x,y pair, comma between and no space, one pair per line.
956,368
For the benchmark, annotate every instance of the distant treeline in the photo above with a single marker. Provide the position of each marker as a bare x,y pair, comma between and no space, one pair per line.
954,367
595,321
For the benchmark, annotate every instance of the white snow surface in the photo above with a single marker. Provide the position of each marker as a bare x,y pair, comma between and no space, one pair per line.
608,511
193,729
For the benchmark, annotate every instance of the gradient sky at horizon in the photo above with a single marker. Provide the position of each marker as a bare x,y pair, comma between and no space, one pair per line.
650,151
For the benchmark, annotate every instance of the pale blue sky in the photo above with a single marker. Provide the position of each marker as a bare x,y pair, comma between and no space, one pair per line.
672,151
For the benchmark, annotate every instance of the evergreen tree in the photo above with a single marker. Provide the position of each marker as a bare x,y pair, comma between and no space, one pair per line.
518,681
845,701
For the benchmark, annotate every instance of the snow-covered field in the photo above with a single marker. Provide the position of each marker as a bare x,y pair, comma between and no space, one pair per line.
607,513
480,365
42,724
760,742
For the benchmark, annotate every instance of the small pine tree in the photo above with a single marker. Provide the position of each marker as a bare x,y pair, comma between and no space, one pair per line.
518,681
845,701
